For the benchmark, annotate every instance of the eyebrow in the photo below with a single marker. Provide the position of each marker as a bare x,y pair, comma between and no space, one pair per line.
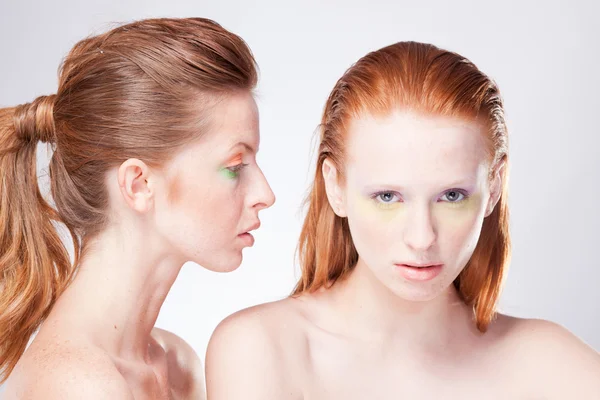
246,146
467,182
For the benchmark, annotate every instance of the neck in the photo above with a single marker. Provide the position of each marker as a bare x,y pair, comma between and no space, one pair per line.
121,284
372,311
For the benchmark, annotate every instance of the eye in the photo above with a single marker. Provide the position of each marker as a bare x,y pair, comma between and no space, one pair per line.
454,196
385,197
237,168
234,171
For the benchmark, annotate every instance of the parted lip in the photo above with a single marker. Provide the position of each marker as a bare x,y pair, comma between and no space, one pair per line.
254,226
419,264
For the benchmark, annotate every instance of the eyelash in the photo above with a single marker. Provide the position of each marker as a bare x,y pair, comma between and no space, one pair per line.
235,170
376,196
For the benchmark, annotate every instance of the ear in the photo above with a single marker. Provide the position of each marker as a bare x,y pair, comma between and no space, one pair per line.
495,187
135,185
335,193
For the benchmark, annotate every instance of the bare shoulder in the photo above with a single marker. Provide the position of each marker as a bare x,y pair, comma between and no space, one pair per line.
176,346
62,371
549,337
274,325
248,356
551,357
186,375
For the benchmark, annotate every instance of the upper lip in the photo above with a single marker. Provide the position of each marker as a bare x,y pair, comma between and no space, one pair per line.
420,264
254,226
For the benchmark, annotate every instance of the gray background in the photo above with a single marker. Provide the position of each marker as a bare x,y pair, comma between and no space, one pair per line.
544,57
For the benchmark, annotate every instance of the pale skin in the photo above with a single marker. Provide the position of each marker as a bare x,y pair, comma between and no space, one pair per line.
379,335
99,341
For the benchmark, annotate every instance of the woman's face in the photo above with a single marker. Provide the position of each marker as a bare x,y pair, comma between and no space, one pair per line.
416,193
216,189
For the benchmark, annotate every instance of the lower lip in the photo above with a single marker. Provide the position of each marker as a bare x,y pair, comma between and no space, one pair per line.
419,273
247,238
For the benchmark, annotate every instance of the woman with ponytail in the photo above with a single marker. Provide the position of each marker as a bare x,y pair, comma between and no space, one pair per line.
153,132
403,252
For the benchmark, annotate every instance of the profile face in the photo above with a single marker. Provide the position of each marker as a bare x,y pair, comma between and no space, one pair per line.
217,189
416,193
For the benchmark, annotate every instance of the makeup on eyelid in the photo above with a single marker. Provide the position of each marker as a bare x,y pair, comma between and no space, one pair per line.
230,171
458,213
237,159
454,212
367,206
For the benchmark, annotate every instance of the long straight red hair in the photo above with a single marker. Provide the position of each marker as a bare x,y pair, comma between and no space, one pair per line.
426,79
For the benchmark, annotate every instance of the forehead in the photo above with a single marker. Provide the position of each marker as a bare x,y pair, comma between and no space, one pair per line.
234,119
410,148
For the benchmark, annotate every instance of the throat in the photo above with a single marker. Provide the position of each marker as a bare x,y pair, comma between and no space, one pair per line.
368,309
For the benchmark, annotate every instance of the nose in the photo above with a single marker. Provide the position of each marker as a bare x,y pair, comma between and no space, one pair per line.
419,231
264,195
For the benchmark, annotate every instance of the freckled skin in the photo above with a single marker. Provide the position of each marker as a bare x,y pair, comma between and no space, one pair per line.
223,192
197,204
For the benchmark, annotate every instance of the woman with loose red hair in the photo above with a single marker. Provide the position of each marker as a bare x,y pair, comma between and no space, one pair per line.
403,252
154,132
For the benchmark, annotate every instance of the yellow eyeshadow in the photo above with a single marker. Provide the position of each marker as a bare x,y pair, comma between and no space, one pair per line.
456,204
457,213
386,206
372,208
466,203
453,212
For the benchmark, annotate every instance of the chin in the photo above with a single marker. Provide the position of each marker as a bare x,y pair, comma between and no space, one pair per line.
229,265
416,294
230,268
222,264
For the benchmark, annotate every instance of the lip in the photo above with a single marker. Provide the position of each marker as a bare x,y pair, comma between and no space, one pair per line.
247,238
253,227
420,264
419,272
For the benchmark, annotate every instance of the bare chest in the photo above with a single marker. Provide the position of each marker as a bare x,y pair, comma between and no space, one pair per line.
350,373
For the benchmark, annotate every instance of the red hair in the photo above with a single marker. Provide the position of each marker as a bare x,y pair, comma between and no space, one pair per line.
142,90
425,79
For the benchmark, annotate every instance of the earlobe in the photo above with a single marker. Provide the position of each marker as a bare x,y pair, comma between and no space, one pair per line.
333,189
135,185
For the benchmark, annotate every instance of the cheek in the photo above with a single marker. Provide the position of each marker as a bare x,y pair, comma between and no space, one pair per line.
369,210
216,207
459,225
206,211
373,226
